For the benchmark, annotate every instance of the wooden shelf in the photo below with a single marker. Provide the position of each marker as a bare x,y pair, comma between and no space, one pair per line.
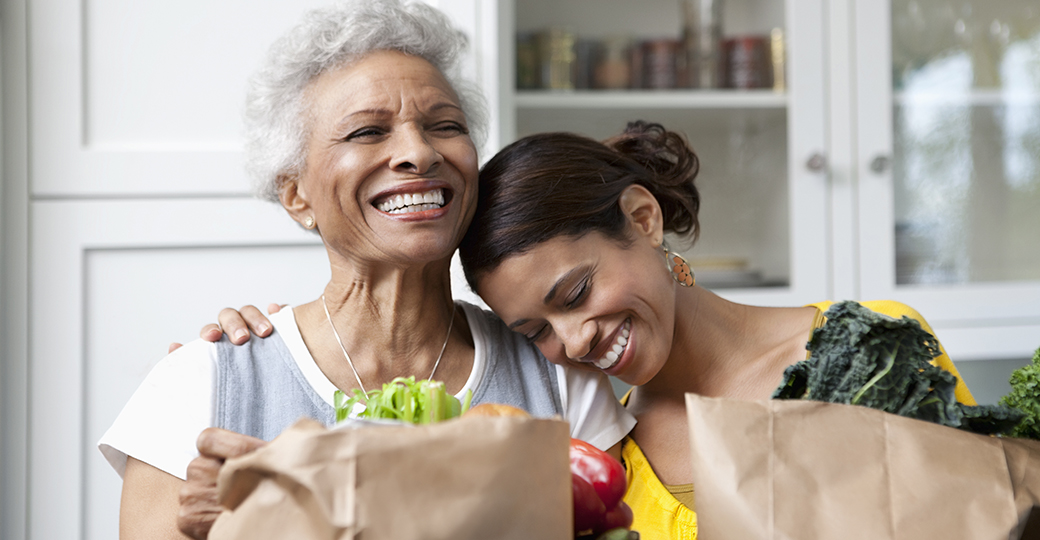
650,99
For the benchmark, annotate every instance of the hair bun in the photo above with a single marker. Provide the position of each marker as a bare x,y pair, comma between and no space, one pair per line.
674,166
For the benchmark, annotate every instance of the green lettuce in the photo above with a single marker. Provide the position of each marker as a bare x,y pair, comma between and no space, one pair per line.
1025,395
404,399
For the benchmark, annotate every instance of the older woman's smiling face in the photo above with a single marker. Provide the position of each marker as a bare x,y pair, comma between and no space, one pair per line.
390,172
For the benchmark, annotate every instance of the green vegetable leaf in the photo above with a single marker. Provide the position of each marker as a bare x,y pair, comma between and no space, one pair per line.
860,357
404,399
1025,395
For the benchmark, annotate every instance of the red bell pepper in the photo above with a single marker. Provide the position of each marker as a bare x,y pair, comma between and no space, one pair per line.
599,483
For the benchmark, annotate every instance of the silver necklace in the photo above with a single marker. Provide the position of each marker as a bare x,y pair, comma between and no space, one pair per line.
347,356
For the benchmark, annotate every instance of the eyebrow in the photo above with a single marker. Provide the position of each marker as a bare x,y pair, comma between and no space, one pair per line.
556,286
345,121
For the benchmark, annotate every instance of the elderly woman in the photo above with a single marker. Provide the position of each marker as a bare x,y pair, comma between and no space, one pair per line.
361,128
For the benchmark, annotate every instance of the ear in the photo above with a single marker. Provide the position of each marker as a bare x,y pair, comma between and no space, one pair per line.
643,213
293,198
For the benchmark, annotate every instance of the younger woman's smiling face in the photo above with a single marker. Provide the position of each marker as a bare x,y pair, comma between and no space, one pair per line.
592,302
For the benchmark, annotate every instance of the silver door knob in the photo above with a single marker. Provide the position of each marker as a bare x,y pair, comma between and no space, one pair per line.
816,162
880,164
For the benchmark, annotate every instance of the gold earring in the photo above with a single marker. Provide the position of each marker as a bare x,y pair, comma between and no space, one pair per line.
308,223
679,268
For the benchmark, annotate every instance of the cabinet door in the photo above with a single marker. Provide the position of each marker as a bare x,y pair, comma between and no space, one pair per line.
949,167
763,178
113,283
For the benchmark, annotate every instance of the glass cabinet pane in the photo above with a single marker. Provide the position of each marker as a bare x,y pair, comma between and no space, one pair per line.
738,123
966,120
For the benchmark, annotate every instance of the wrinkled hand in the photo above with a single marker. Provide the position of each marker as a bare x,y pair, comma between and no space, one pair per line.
237,325
199,507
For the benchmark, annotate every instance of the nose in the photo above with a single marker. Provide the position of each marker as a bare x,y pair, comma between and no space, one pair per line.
413,153
576,337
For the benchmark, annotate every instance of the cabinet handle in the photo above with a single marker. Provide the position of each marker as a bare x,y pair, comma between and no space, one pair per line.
880,164
816,162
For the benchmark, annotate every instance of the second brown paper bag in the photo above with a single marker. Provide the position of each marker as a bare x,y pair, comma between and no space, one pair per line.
819,471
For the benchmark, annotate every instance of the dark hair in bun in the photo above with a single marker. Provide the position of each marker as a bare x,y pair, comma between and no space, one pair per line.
562,184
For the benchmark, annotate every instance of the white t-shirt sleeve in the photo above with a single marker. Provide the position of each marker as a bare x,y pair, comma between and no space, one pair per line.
163,419
589,405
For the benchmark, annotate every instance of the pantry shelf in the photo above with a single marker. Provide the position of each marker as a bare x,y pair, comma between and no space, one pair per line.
651,99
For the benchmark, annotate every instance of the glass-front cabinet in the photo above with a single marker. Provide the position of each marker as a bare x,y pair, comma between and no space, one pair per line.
949,166
741,79
849,148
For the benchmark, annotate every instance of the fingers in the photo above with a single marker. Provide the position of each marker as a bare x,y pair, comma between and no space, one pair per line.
238,324
211,332
173,347
257,321
223,444
199,506
273,308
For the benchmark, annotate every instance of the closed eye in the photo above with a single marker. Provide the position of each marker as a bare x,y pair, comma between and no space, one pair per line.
365,133
538,334
581,292
450,128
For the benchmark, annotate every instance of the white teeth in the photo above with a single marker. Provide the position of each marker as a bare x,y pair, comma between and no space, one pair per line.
616,350
413,202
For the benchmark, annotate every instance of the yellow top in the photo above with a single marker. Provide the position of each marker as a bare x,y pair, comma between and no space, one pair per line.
658,515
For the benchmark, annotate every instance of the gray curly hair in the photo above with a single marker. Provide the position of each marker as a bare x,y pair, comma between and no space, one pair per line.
331,37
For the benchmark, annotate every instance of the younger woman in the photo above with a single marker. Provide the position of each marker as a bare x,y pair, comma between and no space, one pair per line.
567,247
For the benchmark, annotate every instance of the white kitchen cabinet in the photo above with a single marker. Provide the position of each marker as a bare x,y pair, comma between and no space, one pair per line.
843,184
948,131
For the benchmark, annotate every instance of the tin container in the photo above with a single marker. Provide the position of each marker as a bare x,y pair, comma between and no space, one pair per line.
556,50
527,62
661,69
778,52
614,66
749,62
701,57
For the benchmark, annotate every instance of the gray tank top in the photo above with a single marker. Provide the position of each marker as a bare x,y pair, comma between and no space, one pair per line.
260,390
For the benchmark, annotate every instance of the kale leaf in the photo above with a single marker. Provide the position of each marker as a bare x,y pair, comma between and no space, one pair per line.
860,357
1025,395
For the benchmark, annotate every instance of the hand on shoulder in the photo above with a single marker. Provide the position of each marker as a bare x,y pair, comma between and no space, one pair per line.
237,324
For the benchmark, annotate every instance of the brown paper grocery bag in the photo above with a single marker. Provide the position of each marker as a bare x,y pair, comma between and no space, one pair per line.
809,470
479,478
